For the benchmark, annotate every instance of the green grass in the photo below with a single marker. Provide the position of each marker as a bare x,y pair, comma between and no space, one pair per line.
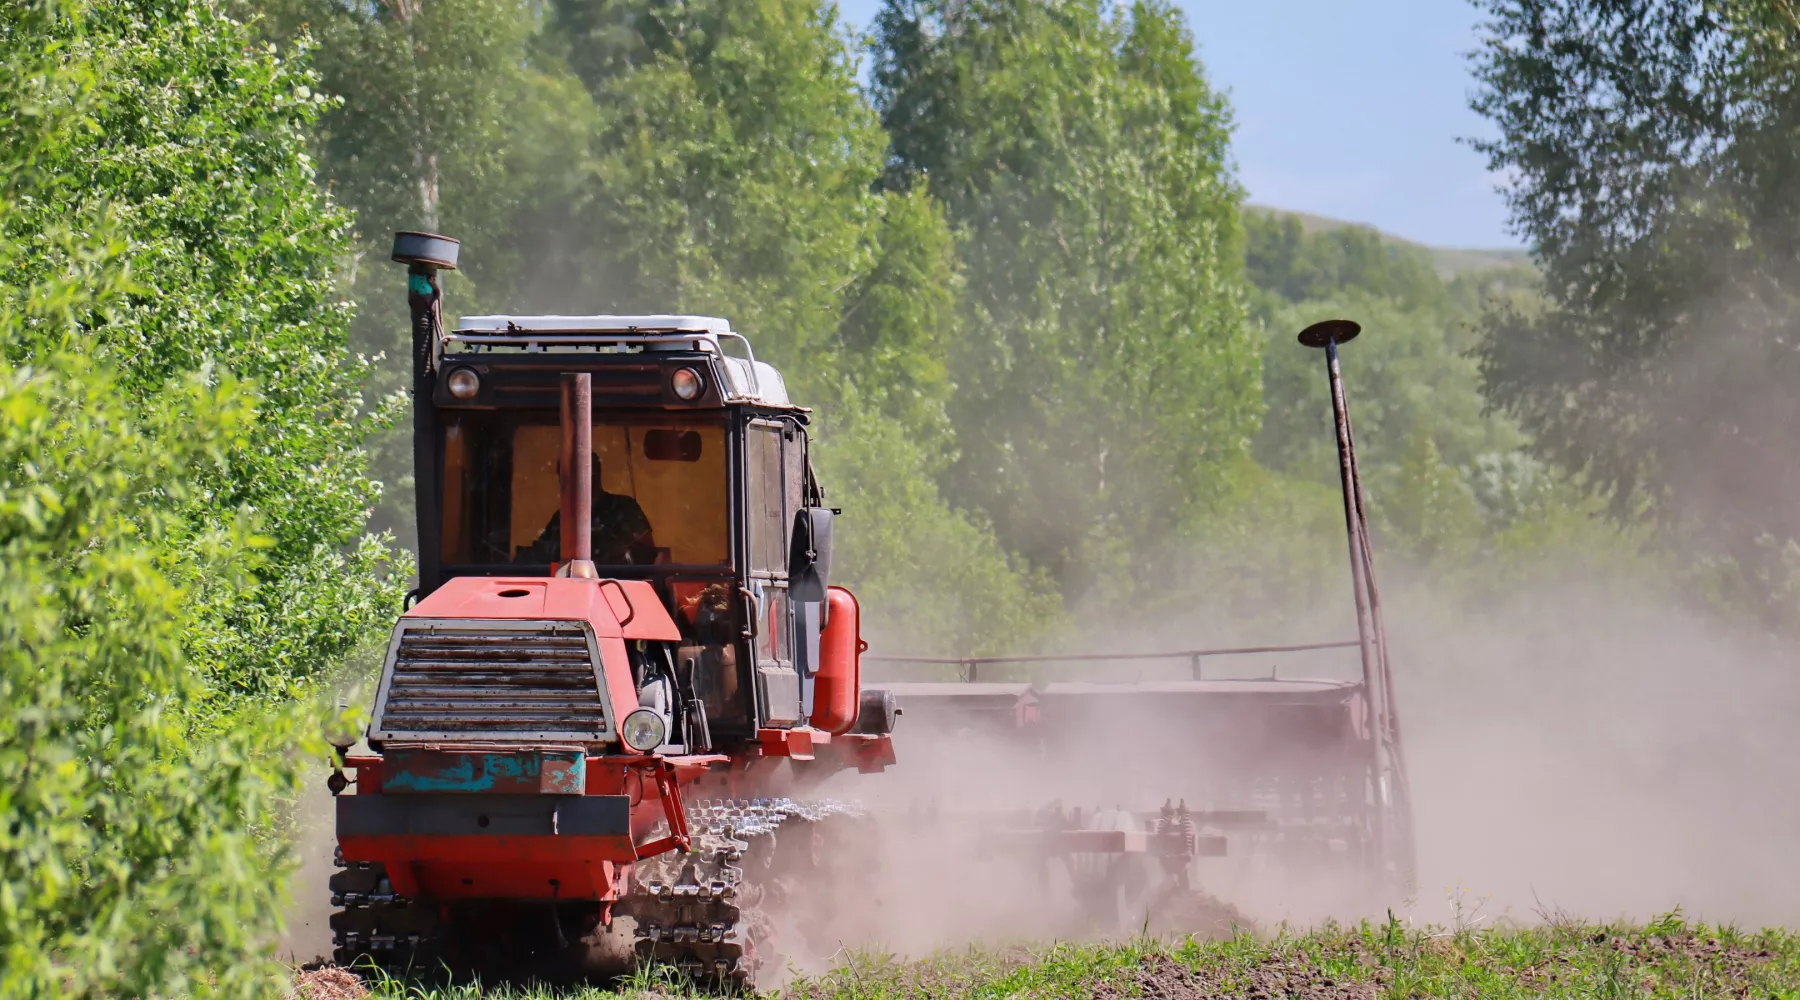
1669,958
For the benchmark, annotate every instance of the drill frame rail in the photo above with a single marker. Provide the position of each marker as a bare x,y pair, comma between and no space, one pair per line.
970,664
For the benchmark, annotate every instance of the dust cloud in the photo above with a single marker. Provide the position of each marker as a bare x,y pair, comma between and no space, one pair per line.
306,937
1591,749
1582,747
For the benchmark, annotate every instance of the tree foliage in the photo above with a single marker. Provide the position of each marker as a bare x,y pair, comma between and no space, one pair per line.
1288,263
192,150
1409,375
442,82
933,580
1446,475
1102,364
177,478
129,865
732,167
733,174
1656,177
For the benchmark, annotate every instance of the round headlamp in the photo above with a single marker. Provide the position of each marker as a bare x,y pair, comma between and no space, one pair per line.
464,383
687,384
643,730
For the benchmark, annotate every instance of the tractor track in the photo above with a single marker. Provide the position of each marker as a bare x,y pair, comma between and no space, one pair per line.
371,925
709,913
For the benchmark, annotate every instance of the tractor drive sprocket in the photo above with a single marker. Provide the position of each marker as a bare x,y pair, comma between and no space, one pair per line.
709,913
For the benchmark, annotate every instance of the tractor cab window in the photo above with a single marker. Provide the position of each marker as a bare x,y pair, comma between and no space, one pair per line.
774,463
661,492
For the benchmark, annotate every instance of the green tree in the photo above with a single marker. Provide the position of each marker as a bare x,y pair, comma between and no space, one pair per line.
1409,374
1102,367
732,161
193,148
932,580
130,864
1656,177
899,317
734,166
1445,473
130,861
440,122
1288,263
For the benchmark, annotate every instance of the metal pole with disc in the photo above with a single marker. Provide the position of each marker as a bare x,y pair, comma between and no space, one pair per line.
1394,812
1328,335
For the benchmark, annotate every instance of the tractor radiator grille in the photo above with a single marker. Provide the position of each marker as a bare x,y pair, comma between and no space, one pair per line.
486,680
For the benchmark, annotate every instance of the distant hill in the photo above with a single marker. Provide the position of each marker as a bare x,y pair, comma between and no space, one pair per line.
1448,261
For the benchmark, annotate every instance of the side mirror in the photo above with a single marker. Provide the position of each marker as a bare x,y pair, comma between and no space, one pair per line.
809,555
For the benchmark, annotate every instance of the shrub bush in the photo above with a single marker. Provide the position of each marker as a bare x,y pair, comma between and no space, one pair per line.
181,494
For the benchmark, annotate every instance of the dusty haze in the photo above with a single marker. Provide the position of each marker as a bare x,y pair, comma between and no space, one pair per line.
1580,746
1577,747
1604,753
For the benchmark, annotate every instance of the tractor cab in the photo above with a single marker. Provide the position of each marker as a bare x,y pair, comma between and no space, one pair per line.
700,487
636,489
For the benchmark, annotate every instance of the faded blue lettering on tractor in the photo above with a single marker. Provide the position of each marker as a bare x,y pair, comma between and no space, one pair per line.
546,771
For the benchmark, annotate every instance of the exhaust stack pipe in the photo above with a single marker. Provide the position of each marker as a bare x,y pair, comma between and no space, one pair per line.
578,477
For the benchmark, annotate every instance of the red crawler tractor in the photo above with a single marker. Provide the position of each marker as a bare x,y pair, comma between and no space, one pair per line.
625,652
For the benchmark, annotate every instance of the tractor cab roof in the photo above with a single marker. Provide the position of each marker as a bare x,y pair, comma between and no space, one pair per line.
654,327
746,379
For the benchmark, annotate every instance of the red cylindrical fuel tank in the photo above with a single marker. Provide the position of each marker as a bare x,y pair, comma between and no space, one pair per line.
837,688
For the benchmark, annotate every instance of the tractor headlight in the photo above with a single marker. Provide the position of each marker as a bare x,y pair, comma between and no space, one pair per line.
464,383
644,730
687,384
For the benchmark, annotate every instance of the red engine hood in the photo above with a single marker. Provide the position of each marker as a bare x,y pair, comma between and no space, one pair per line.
618,609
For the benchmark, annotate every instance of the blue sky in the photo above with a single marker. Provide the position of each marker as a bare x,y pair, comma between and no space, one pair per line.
1349,108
